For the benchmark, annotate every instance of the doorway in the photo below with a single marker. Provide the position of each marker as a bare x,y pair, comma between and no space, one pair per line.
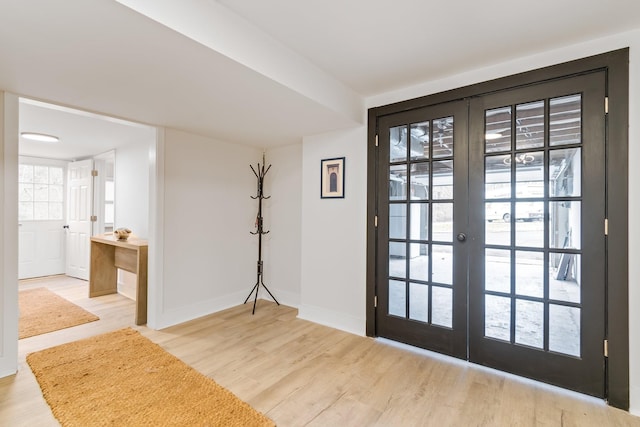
489,221
83,203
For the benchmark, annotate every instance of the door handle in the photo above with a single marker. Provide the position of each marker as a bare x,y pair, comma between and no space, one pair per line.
65,226
461,237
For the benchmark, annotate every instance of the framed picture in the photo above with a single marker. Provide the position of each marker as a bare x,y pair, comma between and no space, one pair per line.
332,178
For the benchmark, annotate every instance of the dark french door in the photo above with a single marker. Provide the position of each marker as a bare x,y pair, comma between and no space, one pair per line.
490,238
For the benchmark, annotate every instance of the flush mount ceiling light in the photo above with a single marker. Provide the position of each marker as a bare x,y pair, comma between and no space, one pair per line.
41,137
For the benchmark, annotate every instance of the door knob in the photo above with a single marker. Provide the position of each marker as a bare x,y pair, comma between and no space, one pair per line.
461,237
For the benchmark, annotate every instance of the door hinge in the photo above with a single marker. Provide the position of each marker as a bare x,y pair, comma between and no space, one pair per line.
606,226
94,218
94,172
375,221
376,140
606,105
606,348
375,301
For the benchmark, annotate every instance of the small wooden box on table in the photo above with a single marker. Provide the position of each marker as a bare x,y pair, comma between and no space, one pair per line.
107,255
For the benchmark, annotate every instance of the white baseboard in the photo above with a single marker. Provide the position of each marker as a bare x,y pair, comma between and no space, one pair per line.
289,299
203,308
333,319
634,394
8,372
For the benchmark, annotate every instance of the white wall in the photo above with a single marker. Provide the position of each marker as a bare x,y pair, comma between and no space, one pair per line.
132,188
282,217
209,256
8,234
132,200
334,234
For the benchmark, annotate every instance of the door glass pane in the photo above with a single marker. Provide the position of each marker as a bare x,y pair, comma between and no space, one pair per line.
529,174
498,224
419,302
530,323
25,173
397,259
56,175
497,177
397,221
529,224
565,168
420,140
419,261
25,211
41,174
419,181
442,141
497,130
530,125
442,180
419,221
565,120
442,222
530,273
398,144
397,298
442,310
41,210
56,193
497,270
25,192
564,229
41,193
398,182
497,317
564,277
564,329
442,264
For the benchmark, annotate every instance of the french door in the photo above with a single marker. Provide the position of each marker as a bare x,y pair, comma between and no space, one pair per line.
422,291
491,230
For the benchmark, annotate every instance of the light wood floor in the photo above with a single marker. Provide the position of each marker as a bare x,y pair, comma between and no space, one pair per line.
302,374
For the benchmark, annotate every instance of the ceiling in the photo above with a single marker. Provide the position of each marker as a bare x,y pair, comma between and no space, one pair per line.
81,134
278,71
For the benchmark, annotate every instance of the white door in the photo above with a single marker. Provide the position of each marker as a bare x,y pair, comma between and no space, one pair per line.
41,249
79,211
41,215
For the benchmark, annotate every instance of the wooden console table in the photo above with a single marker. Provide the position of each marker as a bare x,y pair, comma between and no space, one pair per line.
107,255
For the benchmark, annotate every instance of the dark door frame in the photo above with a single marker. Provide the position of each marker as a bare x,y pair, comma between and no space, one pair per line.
616,66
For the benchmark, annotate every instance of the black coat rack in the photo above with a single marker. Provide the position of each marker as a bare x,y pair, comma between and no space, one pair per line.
260,173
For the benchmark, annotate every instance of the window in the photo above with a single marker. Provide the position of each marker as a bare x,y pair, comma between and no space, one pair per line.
109,209
40,192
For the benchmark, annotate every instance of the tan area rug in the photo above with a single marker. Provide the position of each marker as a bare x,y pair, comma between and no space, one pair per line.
123,379
43,311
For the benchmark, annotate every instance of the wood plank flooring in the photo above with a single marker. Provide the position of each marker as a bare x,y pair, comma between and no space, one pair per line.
302,374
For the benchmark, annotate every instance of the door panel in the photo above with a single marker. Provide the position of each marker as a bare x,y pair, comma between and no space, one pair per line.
422,291
490,238
537,264
40,249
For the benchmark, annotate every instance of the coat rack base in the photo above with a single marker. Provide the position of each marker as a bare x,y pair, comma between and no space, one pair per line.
256,288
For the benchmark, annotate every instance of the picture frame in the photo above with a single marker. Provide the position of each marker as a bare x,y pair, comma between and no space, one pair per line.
332,178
